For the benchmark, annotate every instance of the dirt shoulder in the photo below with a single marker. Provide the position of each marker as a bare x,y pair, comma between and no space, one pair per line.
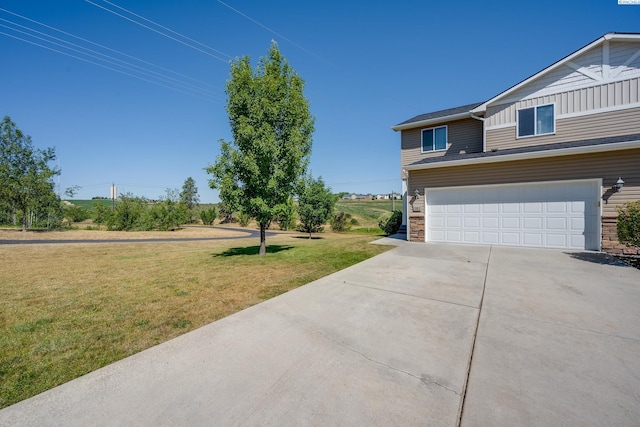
184,233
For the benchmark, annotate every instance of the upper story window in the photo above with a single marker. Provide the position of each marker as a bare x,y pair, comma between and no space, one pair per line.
434,139
538,120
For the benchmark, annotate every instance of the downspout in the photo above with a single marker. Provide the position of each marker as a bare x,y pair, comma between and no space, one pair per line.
484,131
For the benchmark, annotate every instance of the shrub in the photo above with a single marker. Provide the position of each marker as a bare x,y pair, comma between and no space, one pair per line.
629,223
75,213
340,222
208,216
390,222
244,219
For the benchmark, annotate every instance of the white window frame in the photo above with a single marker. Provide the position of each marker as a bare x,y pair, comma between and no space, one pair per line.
446,146
535,119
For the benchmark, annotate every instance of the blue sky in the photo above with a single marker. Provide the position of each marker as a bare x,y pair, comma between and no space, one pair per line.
367,66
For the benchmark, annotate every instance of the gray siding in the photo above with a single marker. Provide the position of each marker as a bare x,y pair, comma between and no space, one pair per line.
607,166
464,136
614,123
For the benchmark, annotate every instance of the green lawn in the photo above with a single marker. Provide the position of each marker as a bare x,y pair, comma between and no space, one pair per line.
66,310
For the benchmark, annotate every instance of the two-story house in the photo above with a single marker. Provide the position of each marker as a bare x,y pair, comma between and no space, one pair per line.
543,164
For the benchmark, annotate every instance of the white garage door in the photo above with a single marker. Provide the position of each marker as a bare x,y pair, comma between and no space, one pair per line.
563,214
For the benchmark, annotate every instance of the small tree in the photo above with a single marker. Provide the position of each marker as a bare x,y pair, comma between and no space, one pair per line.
340,222
189,196
271,127
286,216
208,216
315,205
25,174
126,215
629,223
101,214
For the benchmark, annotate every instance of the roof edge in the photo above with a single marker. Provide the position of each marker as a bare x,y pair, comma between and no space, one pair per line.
616,146
606,37
432,121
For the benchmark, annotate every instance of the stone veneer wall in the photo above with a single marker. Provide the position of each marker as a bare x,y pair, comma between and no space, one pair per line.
610,242
416,228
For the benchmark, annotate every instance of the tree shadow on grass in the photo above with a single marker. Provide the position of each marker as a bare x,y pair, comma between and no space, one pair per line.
253,250
307,237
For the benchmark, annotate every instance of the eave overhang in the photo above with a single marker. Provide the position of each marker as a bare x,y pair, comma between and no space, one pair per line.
495,157
433,121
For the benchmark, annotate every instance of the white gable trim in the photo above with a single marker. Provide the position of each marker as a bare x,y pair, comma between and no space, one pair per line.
609,36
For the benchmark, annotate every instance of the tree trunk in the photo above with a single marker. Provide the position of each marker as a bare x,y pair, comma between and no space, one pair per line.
24,222
263,239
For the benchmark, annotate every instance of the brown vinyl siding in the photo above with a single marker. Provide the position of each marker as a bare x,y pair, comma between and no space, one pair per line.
613,123
463,136
607,166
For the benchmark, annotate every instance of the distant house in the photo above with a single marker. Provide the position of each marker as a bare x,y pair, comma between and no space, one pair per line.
355,196
543,164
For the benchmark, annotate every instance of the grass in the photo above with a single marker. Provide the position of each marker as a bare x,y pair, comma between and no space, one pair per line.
367,212
66,310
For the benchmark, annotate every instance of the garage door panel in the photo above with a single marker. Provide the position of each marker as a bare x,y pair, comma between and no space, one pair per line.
532,223
556,223
533,207
532,239
490,238
510,222
510,238
559,215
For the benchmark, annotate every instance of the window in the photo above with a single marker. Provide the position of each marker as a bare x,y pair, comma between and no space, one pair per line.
434,139
536,120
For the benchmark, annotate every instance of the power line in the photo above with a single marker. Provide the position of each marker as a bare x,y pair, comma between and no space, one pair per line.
158,32
168,29
266,28
104,66
108,48
110,60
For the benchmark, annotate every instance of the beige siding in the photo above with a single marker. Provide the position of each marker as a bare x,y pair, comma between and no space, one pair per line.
464,136
610,95
606,166
623,122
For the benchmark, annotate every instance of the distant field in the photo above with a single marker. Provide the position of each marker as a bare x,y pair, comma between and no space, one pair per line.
88,204
367,212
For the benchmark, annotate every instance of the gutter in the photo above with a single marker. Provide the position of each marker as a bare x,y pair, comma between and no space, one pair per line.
484,131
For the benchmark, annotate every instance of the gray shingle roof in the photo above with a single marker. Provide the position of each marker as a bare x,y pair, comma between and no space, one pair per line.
441,113
531,149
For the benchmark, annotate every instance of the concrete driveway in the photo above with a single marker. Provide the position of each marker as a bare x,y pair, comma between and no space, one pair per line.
426,334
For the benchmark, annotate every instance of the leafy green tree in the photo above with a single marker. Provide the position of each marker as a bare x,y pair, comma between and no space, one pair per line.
315,205
126,214
101,214
272,130
25,174
189,196
75,213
